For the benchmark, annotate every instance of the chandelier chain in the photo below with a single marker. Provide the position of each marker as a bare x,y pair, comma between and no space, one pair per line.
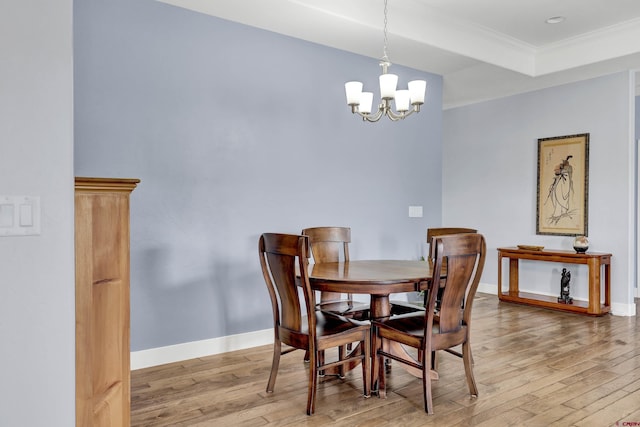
384,55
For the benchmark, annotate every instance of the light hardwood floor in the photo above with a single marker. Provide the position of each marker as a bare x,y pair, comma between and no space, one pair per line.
534,367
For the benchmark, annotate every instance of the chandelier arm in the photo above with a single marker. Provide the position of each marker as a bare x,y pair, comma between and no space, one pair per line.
384,109
396,116
371,118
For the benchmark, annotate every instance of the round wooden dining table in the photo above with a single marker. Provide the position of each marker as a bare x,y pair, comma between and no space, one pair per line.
379,279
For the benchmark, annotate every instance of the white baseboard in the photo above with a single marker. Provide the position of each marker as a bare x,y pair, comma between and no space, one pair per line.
623,309
191,350
488,288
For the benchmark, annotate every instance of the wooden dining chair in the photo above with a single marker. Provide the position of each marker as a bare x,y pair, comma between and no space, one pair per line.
331,244
284,262
451,327
435,232
443,231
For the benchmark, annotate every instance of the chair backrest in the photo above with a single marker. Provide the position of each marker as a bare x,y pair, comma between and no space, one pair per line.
465,254
329,244
284,261
445,231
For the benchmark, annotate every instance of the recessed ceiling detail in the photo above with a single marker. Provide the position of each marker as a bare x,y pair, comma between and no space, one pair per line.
505,44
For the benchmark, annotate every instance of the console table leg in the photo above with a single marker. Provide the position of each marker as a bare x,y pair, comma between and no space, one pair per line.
514,287
607,285
594,286
499,275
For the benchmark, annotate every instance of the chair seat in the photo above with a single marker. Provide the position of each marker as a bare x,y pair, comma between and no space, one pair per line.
405,328
358,311
402,307
332,324
361,311
409,323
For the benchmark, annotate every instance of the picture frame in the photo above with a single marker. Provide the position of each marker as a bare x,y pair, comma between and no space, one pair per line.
563,185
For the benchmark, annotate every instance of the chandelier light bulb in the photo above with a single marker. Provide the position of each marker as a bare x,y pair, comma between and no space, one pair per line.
366,102
353,91
417,90
402,100
388,84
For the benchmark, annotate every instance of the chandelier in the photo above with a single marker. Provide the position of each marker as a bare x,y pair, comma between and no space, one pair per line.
361,102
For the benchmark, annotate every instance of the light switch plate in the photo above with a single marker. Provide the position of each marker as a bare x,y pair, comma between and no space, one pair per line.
19,215
6,215
415,211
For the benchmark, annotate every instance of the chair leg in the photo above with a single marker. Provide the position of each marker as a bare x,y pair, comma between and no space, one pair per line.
382,387
320,361
374,363
377,363
468,368
313,383
426,382
366,365
277,350
306,356
341,352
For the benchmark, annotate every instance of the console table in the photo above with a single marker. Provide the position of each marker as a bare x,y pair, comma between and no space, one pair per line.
594,260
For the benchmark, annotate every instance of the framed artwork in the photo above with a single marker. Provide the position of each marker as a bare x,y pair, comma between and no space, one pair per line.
563,185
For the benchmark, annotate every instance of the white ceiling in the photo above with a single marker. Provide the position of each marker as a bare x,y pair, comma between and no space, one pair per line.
484,49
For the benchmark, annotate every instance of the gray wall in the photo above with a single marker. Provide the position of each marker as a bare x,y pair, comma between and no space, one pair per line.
236,131
497,142
37,329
